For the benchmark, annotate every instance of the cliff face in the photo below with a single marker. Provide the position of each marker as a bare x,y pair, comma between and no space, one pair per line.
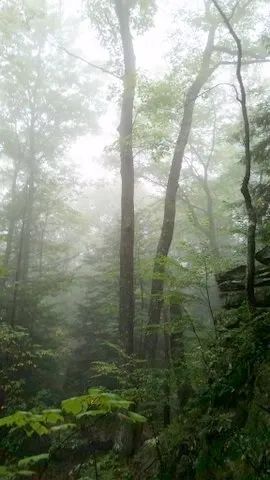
232,283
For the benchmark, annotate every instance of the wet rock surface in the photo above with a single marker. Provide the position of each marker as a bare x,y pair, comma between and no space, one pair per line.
232,282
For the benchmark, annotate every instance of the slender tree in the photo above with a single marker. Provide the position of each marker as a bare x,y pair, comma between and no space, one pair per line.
126,299
167,229
209,230
250,208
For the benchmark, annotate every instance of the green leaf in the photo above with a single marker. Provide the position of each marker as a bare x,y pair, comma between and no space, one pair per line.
34,460
18,419
75,405
38,428
65,426
118,404
136,417
95,392
5,473
53,416
92,413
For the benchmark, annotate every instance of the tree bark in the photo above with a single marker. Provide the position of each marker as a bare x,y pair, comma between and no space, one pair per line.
42,236
178,359
11,216
251,210
167,367
167,229
211,219
27,227
18,272
126,298
30,192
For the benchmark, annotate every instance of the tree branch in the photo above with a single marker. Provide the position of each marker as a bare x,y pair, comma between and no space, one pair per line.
93,65
246,62
195,218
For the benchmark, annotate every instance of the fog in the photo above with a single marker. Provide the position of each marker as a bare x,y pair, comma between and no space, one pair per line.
134,246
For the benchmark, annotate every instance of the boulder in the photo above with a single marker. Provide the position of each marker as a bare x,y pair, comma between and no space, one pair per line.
231,285
263,256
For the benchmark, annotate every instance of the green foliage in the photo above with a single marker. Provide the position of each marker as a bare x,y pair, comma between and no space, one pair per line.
9,473
31,423
20,358
103,16
107,402
82,409
34,460
222,432
157,118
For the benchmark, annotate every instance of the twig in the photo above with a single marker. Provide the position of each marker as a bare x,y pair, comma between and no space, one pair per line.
93,65
234,9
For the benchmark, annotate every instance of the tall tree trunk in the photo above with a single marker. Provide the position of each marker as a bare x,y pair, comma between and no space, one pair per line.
30,191
18,271
126,298
211,219
10,236
213,243
251,210
167,229
28,227
167,368
11,216
42,236
178,360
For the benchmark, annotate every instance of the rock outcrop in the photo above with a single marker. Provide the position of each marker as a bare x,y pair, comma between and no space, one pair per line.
232,283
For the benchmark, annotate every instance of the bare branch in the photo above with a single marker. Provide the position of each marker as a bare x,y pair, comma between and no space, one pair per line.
199,156
234,9
97,67
191,210
246,62
190,164
246,53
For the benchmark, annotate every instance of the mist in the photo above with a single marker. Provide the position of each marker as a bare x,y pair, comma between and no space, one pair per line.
134,244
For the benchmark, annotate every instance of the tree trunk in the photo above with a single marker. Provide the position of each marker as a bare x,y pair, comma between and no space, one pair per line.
167,368
167,229
251,210
211,219
178,360
30,191
27,227
10,236
11,216
42,236
18,272
126,299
